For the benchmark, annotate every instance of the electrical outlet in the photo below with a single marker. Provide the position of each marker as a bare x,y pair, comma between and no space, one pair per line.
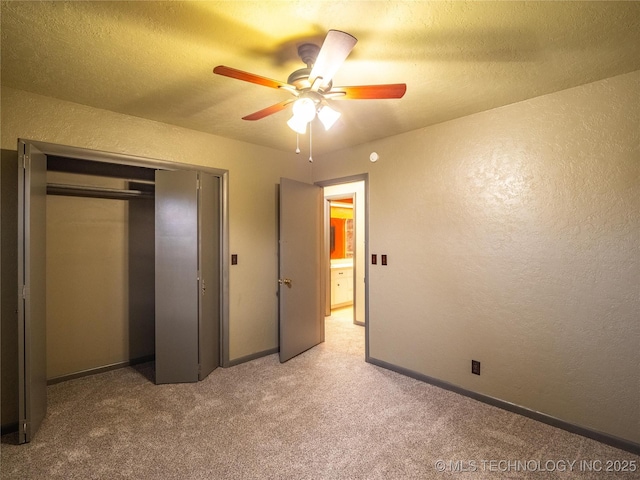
475,367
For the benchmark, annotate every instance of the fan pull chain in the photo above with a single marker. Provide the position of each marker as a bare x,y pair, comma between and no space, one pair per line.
297,143
310,149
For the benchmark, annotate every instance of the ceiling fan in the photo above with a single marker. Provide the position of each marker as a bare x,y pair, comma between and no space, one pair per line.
313,87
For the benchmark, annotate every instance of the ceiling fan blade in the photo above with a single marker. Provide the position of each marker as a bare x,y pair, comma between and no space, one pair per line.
265,112
249,77
335,49
370,92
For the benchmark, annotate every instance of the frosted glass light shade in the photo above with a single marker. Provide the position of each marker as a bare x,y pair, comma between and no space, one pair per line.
328,116
304,109
297,125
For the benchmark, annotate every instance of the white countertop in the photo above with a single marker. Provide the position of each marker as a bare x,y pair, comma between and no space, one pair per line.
346,263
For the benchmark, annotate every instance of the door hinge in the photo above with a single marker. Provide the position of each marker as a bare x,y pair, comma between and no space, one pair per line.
25,161
23,292
25,425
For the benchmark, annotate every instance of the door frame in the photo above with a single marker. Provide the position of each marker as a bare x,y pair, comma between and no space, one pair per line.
327,248
79,153
363,177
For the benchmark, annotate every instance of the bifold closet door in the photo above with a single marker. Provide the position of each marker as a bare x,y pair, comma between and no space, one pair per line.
32,286
209,244
186,327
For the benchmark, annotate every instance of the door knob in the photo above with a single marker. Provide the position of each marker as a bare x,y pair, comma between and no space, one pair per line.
285,281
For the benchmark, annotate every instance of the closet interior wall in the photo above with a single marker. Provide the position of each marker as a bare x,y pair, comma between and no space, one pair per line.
9,303
100,267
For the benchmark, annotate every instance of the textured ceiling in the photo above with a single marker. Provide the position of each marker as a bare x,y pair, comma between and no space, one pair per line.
155,59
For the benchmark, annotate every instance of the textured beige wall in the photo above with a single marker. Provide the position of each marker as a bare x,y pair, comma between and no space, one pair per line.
513,239
88,287
254,174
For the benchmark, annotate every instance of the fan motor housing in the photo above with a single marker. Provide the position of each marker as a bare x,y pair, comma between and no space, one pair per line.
300,80
308,53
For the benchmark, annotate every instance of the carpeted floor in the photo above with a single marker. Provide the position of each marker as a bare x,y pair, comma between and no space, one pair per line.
325,414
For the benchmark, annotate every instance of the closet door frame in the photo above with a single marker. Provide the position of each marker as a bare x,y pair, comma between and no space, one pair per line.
124,159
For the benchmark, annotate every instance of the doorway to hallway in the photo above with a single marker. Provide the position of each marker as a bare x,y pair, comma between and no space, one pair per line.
345,245
345,253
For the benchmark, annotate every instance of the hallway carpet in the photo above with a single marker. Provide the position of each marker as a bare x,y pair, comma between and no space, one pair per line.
325,414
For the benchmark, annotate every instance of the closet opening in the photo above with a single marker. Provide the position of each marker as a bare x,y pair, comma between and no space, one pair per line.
345,253
100,251
121,260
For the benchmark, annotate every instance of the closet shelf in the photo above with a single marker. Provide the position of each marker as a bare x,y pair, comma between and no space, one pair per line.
96,192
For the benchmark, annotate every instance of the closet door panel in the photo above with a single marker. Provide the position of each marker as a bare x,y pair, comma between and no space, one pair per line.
32,330
209,321
176,266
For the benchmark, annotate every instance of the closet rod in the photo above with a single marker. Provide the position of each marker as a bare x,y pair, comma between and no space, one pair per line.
145,182
95,192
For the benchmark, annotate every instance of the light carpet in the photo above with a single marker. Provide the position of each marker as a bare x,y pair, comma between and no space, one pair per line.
326,414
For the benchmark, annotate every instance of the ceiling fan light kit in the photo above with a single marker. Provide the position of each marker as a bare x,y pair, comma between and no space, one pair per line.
305,109
313,85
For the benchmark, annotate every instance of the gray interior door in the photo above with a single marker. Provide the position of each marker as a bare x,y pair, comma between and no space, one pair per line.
32,347
176,216
301,288
209,259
